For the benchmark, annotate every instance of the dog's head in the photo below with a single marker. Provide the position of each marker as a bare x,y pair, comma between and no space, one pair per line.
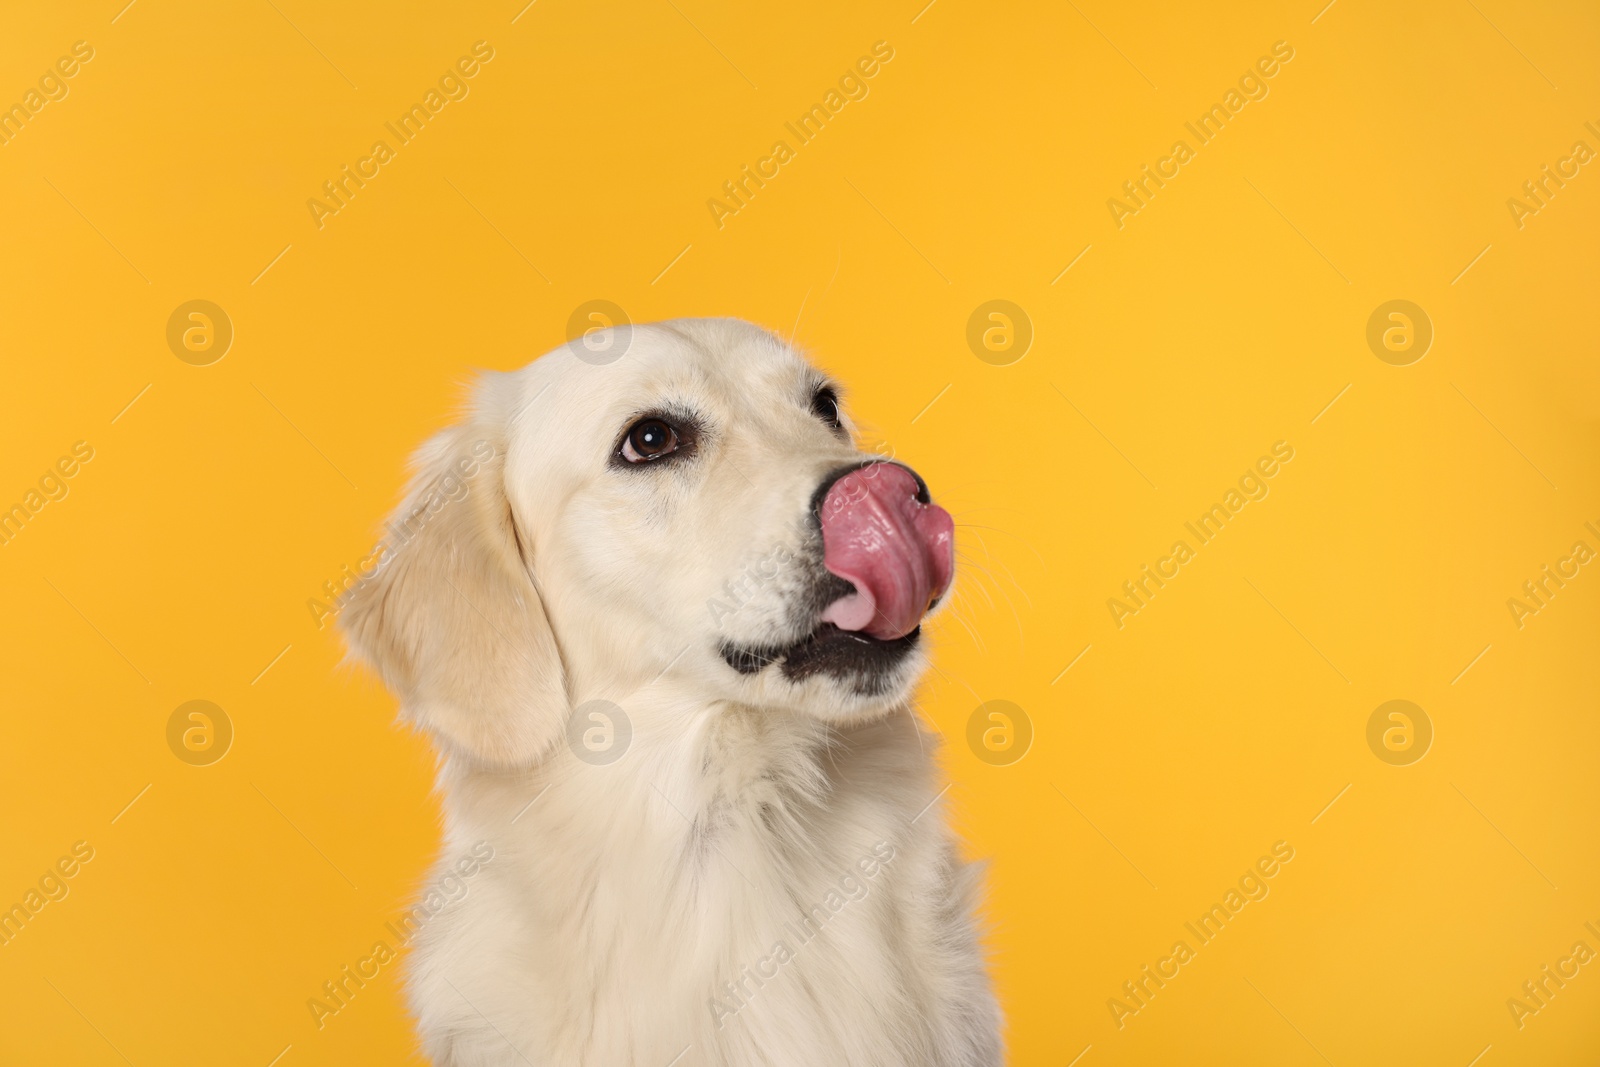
695,511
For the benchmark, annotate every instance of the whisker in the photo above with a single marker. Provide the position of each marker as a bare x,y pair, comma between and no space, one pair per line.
1003,566
978,570
999,529
1021,637
958,613
957,681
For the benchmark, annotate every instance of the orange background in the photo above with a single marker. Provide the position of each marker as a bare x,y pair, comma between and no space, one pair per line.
1224,316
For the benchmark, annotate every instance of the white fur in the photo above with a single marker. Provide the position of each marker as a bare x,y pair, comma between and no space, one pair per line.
621,898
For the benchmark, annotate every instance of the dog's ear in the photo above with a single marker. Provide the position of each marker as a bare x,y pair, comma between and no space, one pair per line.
450,617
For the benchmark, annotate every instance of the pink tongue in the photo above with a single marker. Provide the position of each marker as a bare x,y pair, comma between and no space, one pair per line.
898,553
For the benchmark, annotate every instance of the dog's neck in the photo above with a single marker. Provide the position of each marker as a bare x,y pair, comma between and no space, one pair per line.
709,778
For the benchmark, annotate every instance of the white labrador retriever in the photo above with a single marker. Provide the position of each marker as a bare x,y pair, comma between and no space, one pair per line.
662,619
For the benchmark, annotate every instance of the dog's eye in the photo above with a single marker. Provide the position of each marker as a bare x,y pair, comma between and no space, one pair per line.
649,439
825,406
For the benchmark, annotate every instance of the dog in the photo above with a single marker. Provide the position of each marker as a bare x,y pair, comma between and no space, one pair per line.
662,620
